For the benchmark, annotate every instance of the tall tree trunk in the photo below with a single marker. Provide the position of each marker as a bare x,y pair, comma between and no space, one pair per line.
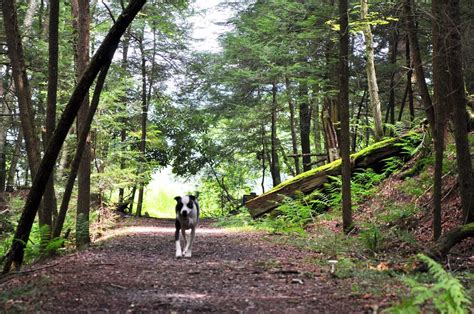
344,109
294,140
81,23
274,162
393,63
305,126
123,131
408,10
440,78
409,90
49,200
371,74
102,56
264,153
144,119
22,87
457,101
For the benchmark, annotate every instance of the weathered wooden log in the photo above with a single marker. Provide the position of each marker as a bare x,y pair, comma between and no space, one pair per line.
370,157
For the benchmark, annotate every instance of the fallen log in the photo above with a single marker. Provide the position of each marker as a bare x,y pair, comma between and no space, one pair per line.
370,157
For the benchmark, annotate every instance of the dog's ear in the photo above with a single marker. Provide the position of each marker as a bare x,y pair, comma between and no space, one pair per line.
178,199
192,197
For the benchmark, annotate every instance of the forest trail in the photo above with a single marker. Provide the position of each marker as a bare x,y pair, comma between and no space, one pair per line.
133,268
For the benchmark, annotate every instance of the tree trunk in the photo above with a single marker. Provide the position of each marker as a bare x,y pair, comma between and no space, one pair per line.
143,126
305,126
81,23
371,74
14,161
49,200
344,109
123,131
79,151
440,78
22,87
4,125
294,140
274,162
457,101
444,244
408,10
393,62
103,55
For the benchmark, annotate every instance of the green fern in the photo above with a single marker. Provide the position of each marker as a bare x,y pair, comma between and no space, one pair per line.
446,293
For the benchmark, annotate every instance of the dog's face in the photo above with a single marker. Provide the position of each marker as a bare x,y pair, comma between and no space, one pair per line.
184,205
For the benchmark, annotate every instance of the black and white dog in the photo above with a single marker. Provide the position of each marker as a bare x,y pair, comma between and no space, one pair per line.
187,217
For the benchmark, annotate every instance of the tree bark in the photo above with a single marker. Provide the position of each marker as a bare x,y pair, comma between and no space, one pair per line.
440,98
458,102
144,119
81,23
305,126
79,151
14,161
441,248
371,74
294,139
49,199
103,55
274,162
408,10
344,109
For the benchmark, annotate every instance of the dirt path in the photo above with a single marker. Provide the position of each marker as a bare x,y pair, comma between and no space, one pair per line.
133,268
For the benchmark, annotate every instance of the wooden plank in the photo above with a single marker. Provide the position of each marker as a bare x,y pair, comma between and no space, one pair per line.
370,157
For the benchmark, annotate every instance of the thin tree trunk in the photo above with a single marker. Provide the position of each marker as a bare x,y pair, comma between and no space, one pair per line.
409,90
440,96
79,151
81,23
3,138
274,162
103,55
305,126
344,109
123,131
408,8
14,161
357,120
294,140
371,74
393,63
264,152
144,119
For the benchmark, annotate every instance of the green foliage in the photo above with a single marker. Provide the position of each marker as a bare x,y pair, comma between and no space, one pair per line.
372,238
445,293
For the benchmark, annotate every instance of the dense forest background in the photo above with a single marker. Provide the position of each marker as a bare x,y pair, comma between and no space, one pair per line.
295,85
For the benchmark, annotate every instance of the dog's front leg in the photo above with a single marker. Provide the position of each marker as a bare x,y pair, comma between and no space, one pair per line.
183,234
189,245
179,253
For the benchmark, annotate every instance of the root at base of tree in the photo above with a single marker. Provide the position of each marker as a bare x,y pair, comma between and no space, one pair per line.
444,244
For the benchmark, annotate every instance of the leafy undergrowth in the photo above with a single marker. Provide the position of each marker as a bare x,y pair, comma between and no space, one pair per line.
392,224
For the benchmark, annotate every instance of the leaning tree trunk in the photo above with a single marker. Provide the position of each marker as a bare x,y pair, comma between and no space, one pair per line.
408,10
81,23
102,56
79,151
371,74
